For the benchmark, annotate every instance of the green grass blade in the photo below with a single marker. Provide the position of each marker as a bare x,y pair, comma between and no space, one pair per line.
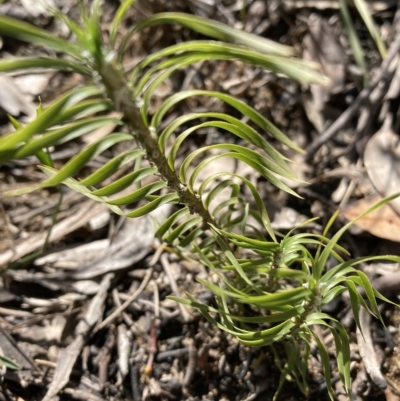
14,28
119,15
15,64
362,8
9,363
355,44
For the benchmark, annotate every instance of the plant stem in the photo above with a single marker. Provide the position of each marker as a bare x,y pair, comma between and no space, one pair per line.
124,101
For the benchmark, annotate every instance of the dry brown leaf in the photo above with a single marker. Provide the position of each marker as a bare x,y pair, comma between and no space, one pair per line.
383,222
38,8
131,244
12,100
287,218
321,46
33,84
382,161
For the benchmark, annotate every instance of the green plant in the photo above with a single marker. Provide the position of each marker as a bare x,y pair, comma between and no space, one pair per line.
268,290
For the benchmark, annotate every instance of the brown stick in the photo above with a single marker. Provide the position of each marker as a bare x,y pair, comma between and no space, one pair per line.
381,75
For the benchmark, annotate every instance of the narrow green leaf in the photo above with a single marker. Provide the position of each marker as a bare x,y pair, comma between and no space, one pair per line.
119,15
353,39
242,107
257,162
9,363
153,205
212,29
139,194
344,268
369,290
190,237
125,181
284,298
333,293
181,229
354,301
14,28
362,8
322,259
343,356
170,221
111,167
80,160
218,189
15,64
51,116
326,366
270,246
55,137
79,32
231,258
268,336
76,186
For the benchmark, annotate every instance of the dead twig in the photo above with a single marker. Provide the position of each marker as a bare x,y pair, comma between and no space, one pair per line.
152,349
124,349
134,376
192,363
174,287
381,75
116,298
119,310
104,357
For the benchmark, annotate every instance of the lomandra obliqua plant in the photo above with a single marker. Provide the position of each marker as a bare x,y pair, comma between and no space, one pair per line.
267,290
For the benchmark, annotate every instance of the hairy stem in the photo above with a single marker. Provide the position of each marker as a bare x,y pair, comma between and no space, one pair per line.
124,101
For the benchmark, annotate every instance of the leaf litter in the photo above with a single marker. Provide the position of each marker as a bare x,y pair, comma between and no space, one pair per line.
54,307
